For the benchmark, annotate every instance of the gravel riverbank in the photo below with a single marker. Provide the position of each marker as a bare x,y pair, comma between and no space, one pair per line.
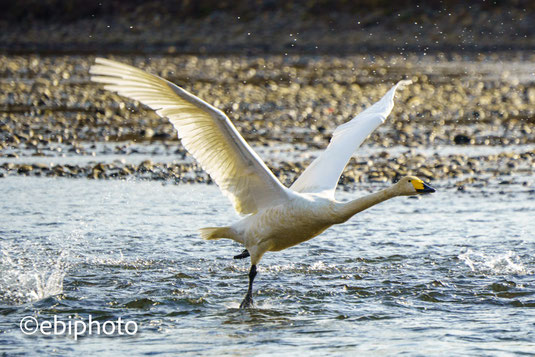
466,120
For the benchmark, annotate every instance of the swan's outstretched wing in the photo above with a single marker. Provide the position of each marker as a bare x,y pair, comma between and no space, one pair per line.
323,173
205,131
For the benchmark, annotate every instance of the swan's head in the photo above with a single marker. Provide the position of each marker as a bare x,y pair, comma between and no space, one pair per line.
411,185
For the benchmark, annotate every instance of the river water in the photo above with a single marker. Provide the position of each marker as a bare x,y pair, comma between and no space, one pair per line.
447,274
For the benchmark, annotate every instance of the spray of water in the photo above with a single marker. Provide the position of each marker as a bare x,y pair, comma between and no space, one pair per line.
30,272
506,263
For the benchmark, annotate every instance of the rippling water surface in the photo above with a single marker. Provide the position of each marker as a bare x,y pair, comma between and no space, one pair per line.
449,273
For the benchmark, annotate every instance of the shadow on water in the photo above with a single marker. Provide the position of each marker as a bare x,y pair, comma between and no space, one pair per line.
257,316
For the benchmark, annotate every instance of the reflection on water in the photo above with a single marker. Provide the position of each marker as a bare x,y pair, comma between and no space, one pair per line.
449,272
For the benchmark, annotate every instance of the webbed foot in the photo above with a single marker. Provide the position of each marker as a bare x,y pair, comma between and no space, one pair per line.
242,255
247,302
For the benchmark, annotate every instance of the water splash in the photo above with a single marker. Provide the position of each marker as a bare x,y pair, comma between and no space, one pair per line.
31,272
506,264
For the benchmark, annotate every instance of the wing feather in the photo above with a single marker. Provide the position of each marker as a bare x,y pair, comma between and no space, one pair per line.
205,131
322,175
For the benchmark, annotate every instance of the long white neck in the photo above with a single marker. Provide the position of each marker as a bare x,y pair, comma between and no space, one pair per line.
351,208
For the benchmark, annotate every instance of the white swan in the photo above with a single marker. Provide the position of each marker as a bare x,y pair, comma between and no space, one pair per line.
276,217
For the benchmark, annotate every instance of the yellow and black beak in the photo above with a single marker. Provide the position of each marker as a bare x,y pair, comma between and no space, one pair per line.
422,187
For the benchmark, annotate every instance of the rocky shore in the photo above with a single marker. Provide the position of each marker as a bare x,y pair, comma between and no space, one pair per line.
465,122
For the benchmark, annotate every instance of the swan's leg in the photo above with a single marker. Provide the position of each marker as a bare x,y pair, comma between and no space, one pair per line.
248,300
242,255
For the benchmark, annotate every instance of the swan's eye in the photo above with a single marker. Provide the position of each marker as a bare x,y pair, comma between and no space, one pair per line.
409,180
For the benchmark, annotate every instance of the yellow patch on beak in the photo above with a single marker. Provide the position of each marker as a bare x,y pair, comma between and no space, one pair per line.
418,184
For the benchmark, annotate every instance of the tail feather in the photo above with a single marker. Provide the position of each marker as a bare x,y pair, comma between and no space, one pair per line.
210,233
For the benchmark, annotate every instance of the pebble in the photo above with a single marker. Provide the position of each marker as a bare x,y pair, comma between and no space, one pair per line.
461,139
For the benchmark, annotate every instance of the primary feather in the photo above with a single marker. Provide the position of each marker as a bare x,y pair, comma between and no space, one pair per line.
205,131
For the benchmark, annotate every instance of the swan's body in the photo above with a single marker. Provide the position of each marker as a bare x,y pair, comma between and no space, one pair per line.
301,218
276,217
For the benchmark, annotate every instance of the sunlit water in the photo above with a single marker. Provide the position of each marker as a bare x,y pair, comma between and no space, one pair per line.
449,273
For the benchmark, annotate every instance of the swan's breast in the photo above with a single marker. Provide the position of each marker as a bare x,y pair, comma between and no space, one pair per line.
286,225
